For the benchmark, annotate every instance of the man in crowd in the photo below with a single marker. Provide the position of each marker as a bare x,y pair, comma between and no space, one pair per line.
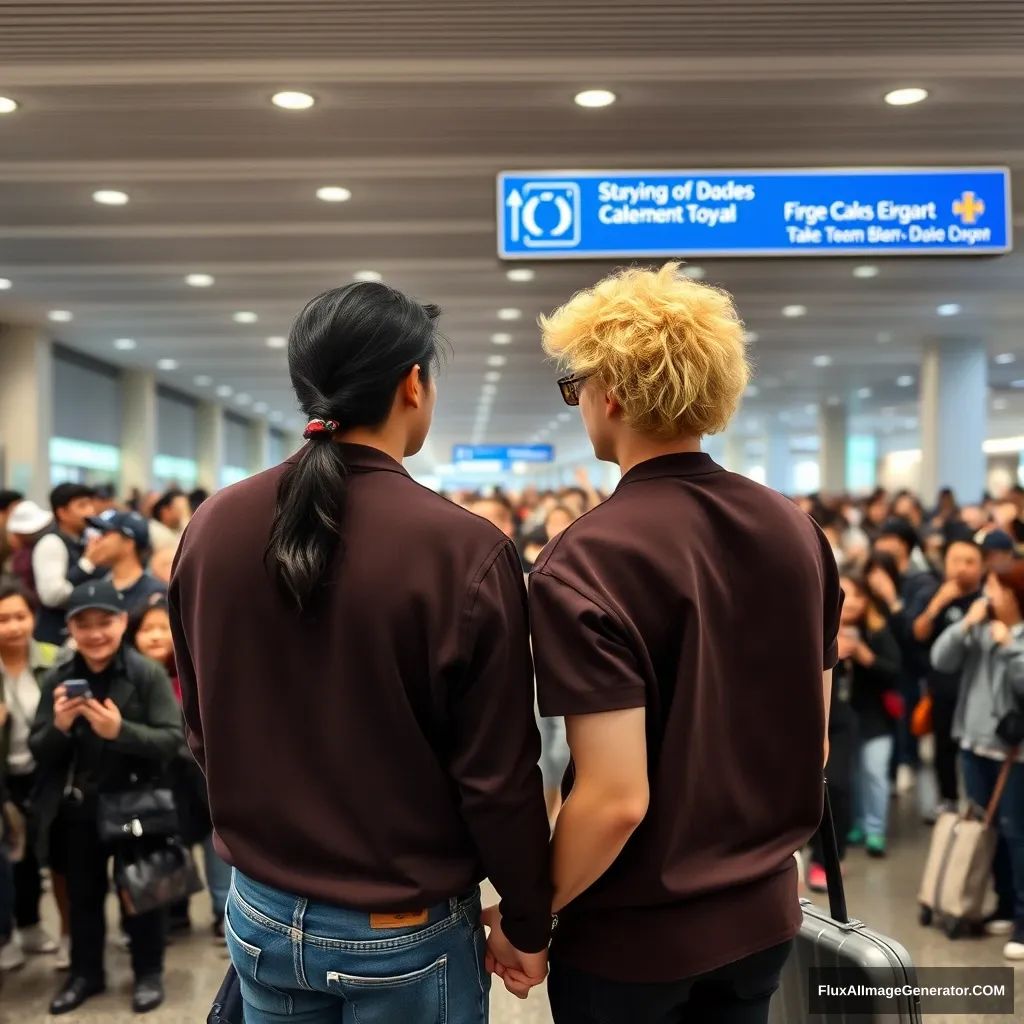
170,515
122,549
673,865
496,509
62,559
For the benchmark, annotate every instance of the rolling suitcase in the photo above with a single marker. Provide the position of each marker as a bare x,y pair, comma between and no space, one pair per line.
832,942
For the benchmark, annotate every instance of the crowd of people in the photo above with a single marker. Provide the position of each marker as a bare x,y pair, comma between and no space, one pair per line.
408,626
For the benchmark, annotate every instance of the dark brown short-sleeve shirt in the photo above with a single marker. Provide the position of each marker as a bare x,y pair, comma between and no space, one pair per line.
379,751
714,603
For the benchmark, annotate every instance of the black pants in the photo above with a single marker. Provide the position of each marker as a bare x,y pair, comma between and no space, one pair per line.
28,888
946,749
842,755
739,993
88,886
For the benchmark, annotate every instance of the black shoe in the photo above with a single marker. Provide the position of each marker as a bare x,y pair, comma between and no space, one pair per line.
74,993
148,993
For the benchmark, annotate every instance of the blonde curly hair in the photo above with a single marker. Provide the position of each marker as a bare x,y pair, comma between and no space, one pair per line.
672,351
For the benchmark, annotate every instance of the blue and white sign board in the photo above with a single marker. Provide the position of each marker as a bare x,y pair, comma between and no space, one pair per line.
502,453
614,214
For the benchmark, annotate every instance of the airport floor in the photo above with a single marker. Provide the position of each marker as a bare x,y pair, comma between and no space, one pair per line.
881,893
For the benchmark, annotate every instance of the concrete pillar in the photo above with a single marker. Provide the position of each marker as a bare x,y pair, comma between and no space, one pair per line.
259,446
954,420
138,430
833,448
26,410
209,444
735,455
778,463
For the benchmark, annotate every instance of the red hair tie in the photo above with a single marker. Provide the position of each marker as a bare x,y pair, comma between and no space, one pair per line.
318,430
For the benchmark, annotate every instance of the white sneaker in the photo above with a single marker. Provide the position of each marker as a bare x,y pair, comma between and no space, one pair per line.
12,956
998,927
36,941
62,961
1013,951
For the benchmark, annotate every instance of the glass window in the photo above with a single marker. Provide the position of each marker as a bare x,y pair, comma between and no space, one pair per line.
83,462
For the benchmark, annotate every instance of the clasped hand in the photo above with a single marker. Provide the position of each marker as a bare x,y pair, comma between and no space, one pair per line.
104,719
519,971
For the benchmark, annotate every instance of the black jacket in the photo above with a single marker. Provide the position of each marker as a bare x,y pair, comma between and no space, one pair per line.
151,733
865,687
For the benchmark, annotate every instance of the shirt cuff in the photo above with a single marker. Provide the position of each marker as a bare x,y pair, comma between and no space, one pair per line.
528,935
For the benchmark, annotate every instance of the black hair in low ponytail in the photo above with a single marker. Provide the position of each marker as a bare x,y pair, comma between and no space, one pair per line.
347,353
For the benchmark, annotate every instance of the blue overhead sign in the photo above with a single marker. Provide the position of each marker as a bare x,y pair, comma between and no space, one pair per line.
614,214
502,453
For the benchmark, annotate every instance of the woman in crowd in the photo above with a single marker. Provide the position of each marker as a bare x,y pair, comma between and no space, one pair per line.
863,683
23,664
557,520
149,630
987,648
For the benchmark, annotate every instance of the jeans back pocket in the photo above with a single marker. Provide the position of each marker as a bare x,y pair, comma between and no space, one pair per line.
419,997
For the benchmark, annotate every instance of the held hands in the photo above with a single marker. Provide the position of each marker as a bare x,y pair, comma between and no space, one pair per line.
519,971
977,613
104,718
66,710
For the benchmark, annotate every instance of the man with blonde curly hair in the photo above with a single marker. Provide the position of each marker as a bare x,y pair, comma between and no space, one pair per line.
686,629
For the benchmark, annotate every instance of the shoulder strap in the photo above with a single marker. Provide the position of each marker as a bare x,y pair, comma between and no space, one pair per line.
833,870
997,792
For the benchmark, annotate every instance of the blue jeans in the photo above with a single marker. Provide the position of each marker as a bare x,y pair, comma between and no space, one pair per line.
980,774
218,877
871,786
313,963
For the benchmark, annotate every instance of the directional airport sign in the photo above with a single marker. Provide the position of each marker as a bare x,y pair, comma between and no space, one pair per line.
837,212
502,453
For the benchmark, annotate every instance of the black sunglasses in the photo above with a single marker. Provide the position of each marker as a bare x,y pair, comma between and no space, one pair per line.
570,388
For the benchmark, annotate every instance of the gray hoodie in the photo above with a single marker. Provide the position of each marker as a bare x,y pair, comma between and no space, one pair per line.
991,680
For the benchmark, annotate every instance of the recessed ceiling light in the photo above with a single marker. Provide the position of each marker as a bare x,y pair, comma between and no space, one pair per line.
999,404
7,105
289,100
794,310
260,408
496,360
245,316
492,376
224,391
509,313
60,316
822,361
865,271
199,280
595,98
125,344
5,284
694,273
1005,358
333,194
905,381
753,391
167,364
883,337
905,97
501,339
276,417
520,274
752,337
243,399
948,309
368,276
864,393
202,381
110,197
277,342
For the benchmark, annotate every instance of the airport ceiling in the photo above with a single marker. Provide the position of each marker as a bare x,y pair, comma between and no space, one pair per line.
417,107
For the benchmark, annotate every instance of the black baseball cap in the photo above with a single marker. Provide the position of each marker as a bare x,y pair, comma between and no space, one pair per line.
95,596
997,540
128,524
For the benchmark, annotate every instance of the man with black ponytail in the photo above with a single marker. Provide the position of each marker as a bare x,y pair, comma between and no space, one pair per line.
357,683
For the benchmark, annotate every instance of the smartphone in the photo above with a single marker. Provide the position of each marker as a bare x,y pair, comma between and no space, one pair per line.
77,688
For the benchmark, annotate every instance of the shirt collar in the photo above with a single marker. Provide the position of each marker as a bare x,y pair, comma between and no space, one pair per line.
678,464
116,665
361,458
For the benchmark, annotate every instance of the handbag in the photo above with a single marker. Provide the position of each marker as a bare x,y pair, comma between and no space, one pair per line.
148,877
227,1004
135,813
921,718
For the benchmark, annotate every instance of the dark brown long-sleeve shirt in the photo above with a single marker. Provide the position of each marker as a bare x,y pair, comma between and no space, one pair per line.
379,751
